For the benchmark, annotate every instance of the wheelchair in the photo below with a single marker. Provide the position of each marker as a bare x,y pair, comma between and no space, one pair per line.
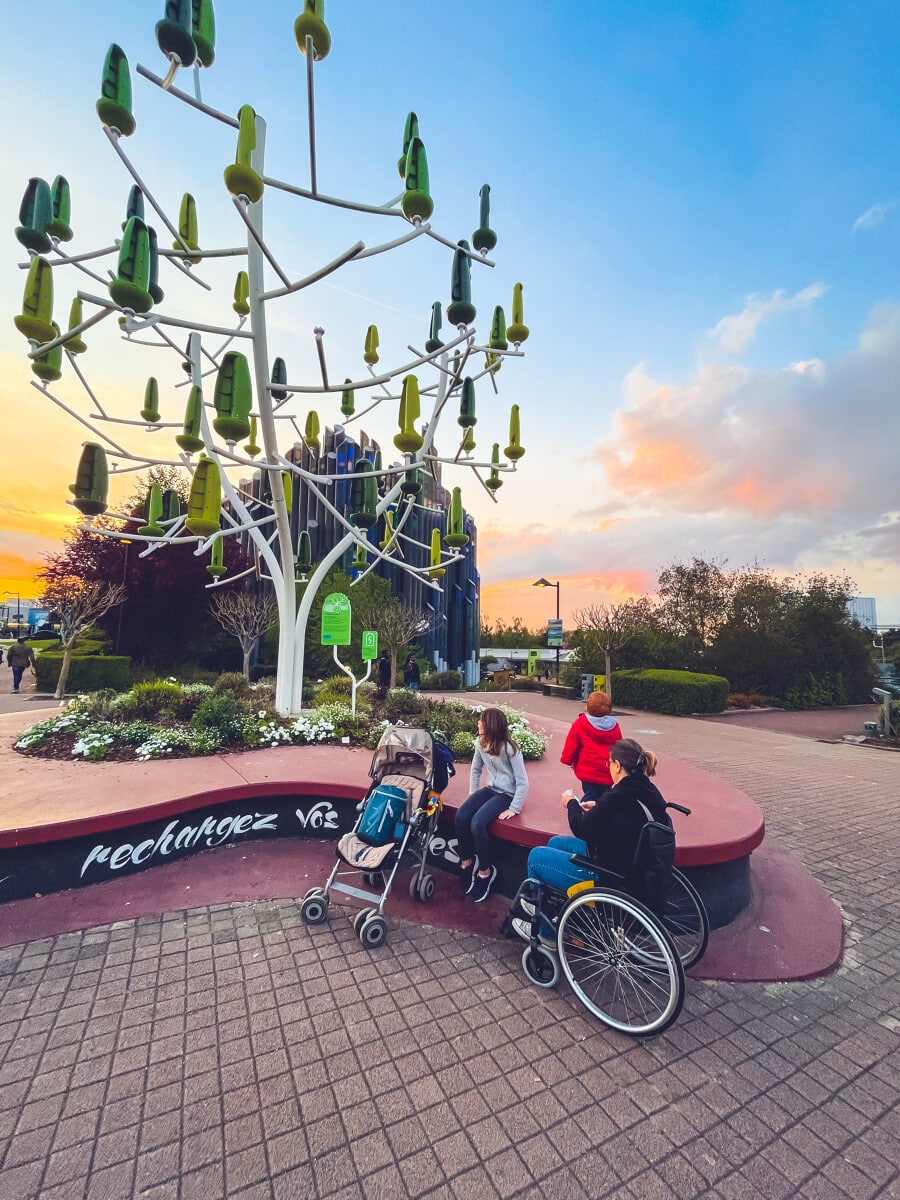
624,962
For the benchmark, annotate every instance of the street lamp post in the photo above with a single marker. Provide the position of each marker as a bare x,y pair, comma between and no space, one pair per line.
546,583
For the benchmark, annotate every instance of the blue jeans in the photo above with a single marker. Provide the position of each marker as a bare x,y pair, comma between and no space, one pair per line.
550,864
18,672
472,820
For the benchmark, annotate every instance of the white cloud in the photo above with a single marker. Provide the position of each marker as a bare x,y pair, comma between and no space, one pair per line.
872,216
735,332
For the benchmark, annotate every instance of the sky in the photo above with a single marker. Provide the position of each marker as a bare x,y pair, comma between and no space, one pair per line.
703,205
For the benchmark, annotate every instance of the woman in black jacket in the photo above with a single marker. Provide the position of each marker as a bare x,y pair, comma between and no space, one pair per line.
606,830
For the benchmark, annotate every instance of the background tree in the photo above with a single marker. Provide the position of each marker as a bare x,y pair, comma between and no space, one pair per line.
515,636
694,603
609,627
78,605
397,625
247,615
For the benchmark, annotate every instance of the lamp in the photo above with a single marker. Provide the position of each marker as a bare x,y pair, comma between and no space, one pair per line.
543,583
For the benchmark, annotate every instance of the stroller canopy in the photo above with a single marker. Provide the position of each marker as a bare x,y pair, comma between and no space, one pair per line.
405,750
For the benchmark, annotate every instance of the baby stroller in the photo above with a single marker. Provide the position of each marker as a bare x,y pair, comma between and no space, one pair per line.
623,941
397,819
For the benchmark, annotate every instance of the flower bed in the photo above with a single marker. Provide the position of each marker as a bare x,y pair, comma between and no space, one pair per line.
165,719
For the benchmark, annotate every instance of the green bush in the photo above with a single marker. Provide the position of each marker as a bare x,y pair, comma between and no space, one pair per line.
442,681
334,688
677,692
234,683
448,717
156,698
401,703
220,714
87,673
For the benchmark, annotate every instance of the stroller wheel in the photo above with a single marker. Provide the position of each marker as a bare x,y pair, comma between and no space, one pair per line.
360,917
372,931
541,966
314,891
314,909
373,879
421,889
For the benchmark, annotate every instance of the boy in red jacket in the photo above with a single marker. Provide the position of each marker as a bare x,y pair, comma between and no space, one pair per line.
587,745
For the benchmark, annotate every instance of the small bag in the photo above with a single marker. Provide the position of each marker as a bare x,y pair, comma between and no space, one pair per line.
385,810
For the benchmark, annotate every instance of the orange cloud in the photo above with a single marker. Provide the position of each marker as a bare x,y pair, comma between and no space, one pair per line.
519,598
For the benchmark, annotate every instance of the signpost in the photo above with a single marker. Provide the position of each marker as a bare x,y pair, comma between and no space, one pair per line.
533,659
369,645
554,632
336,620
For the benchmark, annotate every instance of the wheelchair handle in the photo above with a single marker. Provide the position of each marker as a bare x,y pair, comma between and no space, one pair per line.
678,807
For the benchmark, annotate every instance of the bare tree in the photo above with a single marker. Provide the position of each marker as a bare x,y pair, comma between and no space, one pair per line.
613,626
247,615
79,604
396,624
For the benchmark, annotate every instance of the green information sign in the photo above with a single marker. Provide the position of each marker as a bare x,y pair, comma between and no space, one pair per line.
533,658
336,620
369,645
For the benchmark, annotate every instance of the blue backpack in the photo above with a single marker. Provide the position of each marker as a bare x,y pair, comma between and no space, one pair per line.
385,810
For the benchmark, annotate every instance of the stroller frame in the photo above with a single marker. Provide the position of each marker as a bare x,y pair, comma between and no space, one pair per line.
404,758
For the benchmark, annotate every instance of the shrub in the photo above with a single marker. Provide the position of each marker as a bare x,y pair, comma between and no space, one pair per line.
162,743
448,717
192,696
334,688
67,722
219,713
87,673
442,681
526,683
235,684
401,703
463,744
133,733
677,692
160,697
95,742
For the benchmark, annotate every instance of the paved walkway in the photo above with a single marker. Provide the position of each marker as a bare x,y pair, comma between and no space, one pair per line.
229,1051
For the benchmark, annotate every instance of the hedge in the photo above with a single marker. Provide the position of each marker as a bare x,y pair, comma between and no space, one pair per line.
677,692
442,681
87,672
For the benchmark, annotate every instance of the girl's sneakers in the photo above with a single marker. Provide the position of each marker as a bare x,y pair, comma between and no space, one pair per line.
467,877
481,885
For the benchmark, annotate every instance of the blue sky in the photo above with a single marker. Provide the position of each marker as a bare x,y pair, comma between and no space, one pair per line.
701,200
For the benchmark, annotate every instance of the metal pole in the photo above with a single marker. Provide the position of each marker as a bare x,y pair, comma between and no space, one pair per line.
557,617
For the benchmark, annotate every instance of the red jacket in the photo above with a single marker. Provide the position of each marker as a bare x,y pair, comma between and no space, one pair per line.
586,750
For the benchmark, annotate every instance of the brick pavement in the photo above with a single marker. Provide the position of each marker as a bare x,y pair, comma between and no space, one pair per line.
229,1051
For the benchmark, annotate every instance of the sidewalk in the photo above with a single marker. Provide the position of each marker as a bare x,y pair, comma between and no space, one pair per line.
226,1050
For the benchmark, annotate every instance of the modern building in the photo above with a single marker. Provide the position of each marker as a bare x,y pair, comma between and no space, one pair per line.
453,641
862,609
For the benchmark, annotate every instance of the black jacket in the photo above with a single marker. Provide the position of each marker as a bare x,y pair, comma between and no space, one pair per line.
613,826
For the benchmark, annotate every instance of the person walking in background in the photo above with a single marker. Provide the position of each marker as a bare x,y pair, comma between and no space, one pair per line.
19,657
507,786
384,674
586,748
412,677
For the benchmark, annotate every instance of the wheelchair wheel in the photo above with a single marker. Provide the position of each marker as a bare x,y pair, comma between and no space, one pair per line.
685,919
541,966
621,964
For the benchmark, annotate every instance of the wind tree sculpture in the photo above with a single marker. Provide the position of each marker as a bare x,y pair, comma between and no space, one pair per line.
251,395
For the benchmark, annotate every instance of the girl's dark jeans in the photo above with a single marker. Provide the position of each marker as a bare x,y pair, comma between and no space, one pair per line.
472,820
